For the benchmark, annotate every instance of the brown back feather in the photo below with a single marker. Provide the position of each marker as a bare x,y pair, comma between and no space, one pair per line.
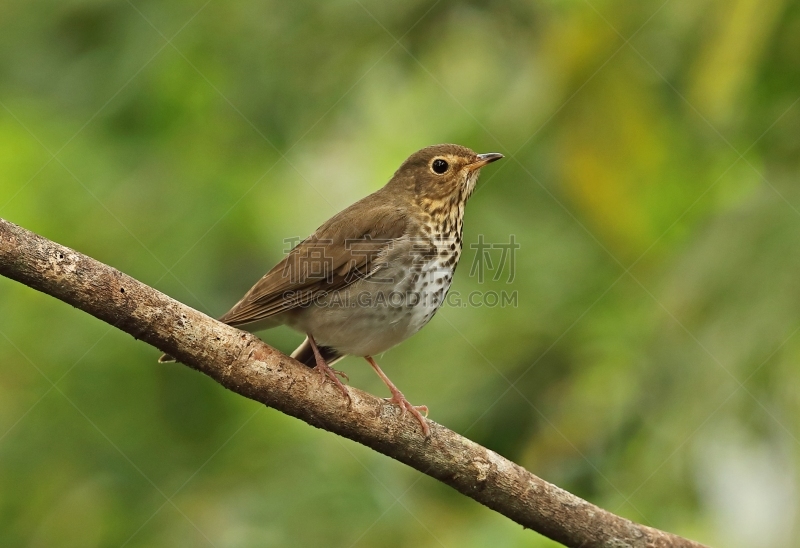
344,249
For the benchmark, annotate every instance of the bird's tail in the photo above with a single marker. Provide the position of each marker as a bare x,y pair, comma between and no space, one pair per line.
305,354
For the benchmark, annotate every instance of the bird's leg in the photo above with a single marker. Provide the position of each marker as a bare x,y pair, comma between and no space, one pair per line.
400,399
326,369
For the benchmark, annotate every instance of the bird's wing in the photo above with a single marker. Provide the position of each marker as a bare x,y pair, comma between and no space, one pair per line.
348,247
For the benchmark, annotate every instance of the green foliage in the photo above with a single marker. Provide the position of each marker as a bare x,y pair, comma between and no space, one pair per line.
651,181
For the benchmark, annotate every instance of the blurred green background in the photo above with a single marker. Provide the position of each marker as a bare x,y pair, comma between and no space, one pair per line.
651,180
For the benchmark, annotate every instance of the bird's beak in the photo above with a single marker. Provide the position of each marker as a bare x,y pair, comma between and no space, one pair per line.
484,159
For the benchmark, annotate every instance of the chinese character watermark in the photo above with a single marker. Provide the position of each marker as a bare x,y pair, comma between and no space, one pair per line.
483,258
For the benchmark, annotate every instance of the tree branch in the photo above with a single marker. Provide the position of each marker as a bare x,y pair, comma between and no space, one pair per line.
244,364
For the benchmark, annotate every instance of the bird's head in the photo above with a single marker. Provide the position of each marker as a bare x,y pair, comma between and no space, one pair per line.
442,175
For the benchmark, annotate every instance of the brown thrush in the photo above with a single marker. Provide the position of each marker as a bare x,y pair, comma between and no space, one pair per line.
375,273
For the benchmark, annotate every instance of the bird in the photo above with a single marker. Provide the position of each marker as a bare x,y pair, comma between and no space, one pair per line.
373,274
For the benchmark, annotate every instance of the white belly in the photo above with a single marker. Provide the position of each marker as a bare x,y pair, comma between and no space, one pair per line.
368,318
397,300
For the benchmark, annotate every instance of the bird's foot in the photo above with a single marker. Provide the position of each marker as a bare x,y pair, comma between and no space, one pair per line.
328,372
416,410
340,374
405,405
400,399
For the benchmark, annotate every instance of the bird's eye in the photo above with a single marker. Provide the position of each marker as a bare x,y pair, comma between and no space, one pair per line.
439,166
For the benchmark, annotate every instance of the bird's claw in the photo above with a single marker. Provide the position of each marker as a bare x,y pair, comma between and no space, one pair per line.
329,373
405,406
